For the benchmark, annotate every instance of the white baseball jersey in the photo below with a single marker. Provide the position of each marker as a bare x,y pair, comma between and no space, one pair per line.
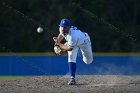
77,39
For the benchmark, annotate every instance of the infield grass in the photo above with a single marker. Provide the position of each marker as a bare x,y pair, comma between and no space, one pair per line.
12,77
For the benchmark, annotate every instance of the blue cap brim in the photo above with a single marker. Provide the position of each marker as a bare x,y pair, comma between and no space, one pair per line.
63,25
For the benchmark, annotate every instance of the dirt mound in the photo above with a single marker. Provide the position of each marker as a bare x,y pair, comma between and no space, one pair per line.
85,84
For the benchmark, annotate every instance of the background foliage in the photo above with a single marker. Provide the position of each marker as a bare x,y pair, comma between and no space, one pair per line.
19,20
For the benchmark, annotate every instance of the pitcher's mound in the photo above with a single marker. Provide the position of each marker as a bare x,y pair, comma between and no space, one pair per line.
85,84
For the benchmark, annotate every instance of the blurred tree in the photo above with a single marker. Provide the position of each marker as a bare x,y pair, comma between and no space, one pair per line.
20,18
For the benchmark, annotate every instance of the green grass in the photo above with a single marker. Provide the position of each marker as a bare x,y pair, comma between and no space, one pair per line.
53,54
27,54
116,54
12,77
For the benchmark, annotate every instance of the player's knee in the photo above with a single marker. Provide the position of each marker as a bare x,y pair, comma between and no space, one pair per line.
88,61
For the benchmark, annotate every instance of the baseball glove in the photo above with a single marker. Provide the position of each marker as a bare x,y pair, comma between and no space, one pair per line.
58,50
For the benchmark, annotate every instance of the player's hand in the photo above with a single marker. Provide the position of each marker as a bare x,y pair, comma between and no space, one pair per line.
55,39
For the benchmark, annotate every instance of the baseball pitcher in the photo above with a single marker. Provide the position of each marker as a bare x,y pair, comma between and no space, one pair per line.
76,40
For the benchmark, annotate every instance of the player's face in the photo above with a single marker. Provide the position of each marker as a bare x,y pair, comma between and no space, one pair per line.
63,29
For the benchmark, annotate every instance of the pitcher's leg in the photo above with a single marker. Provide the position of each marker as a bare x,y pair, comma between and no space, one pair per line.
72,55
72,70
87,53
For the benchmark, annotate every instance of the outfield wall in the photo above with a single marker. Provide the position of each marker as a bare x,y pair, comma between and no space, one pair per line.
57,65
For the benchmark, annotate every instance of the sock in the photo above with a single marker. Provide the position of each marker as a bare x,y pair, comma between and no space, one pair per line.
72,69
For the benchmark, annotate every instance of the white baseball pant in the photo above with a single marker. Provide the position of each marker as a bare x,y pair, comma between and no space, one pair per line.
86,51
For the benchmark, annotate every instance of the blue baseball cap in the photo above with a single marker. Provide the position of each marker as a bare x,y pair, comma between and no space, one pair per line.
65,22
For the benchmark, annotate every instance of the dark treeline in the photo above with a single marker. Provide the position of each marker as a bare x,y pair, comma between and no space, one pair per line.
114,25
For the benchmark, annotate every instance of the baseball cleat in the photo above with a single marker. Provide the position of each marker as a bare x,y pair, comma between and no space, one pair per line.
72,82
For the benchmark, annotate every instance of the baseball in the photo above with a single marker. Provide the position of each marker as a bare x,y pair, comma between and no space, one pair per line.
39,29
